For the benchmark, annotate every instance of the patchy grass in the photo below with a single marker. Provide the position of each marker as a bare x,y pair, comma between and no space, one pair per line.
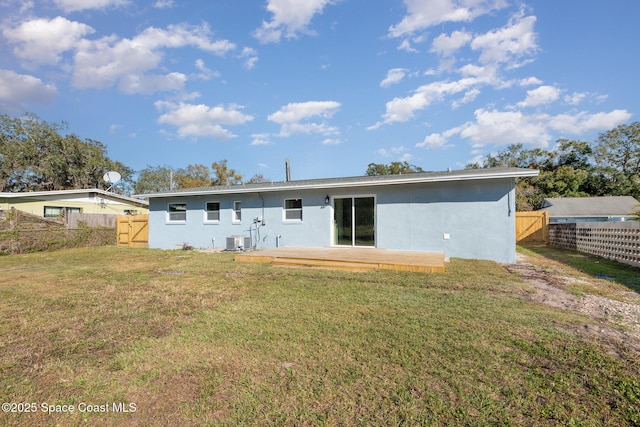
593,266
192,338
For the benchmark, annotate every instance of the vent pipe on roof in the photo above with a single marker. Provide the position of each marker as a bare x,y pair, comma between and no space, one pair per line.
287,166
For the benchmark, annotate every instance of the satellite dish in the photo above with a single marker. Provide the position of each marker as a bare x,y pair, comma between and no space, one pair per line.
111,177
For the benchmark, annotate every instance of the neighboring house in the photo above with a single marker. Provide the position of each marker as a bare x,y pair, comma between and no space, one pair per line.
467,214
589,209
52,204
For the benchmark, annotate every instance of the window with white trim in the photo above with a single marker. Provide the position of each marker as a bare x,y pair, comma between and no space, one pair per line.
177,212
237,211
293,209
57,211
212,212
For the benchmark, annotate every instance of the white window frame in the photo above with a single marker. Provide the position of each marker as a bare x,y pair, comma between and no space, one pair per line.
236,213
286,210
64,211
206,213
176,221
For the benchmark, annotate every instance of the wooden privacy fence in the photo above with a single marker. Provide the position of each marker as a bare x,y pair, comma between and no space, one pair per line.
133,231
91,220
532,227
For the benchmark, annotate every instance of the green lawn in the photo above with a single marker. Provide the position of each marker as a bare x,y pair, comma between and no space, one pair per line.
191,338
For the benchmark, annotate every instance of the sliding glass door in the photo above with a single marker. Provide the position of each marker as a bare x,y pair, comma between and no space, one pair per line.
354,221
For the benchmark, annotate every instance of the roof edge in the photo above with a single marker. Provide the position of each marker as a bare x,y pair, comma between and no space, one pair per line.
355,182
11,195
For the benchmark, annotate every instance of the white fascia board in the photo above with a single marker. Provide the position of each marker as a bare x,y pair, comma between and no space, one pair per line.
406,179
53,193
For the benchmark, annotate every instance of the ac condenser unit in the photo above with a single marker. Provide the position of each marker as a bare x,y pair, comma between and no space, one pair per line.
238,243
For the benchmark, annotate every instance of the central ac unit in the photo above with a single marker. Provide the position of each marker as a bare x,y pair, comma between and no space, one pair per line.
238,243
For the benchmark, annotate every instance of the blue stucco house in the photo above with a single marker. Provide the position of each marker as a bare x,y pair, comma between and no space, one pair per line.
465,214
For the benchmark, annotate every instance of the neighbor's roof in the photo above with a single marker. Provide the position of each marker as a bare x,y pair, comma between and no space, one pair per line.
354,181
36,195
589,206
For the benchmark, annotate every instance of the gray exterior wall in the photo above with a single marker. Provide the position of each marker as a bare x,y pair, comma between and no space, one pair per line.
465,219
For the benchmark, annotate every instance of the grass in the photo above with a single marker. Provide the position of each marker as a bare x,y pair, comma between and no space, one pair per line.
591,265
196,339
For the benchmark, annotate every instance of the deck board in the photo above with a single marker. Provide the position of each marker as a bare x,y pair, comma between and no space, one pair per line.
352,259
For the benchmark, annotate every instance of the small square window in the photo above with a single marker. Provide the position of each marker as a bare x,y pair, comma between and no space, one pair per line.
293,209
177,212
212,212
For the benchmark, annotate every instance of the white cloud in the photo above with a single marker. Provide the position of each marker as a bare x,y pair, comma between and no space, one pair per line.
438,140
17,91
290,17
406,46
400,152
164,4
575,98
201,120
295,117
508,44
540,96
585,122
530,81
501,128
403,109
289,129
181,35
134,83
394,76
423,14
260,139
446,45
507,127
297,111
109,61
205,72
332,141
77,5
406,157
468,97
250,56
101,63
43,41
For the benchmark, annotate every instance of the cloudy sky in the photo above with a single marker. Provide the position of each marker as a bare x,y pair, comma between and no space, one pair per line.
332,84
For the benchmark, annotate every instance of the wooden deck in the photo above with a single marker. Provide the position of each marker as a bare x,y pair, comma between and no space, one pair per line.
351,259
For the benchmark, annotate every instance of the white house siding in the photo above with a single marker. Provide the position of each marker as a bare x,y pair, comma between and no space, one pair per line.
477,216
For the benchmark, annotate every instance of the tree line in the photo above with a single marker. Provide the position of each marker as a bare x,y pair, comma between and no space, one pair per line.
36,156
609,166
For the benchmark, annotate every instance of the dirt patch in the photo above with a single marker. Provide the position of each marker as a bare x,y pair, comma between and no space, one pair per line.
616,318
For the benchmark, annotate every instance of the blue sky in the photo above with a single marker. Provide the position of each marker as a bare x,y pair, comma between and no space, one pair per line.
332,84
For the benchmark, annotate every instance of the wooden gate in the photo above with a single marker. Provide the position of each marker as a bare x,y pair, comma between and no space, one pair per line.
532,227
133,231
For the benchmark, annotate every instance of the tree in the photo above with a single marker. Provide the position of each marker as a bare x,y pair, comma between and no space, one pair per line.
224,175
154,179
393,168
617,157
193,176
576,154
35,156
258,179
610,167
